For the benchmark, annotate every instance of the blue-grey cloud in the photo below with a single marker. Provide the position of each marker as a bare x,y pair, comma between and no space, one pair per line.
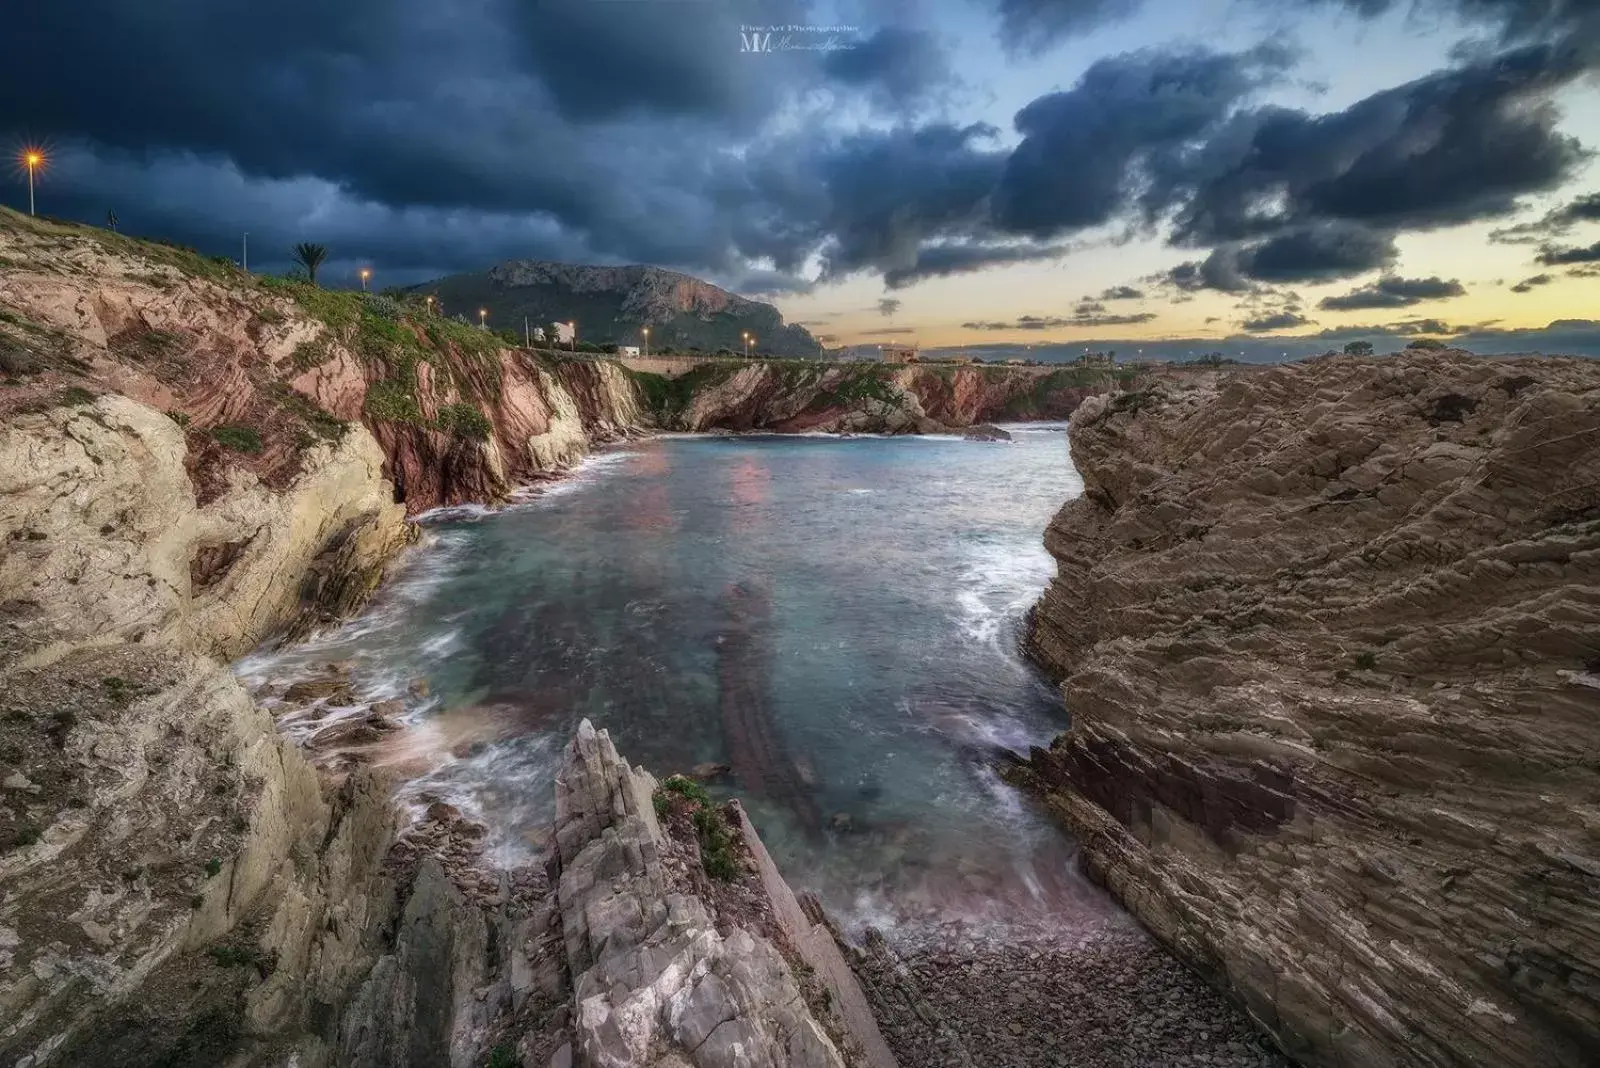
1392,291
1528,285
1554,255
898,66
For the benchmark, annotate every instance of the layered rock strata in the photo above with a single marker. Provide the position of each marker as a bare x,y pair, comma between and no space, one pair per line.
789,397
1329,636
657,980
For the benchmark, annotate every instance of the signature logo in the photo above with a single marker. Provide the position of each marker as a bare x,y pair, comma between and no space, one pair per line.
769,39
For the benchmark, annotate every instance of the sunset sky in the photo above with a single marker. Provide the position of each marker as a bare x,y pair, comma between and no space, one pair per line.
992,173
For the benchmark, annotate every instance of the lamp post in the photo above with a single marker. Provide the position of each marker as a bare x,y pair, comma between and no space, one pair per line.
574,327
429,300
746,336
483,318
366,273
752,342
647,341
244,252
33,158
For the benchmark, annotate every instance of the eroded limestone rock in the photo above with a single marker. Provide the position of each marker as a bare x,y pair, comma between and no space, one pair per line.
655,983
1319,628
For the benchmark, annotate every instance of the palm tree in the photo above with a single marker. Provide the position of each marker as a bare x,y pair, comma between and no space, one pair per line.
310,257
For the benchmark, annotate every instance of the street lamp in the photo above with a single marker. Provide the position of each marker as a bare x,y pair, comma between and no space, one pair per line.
33,159
752,342
647,341
574,327
429,299
483,318
366,273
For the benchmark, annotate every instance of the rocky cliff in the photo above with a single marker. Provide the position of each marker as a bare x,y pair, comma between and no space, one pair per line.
613,304
1330,640
192,460
259,373
794,396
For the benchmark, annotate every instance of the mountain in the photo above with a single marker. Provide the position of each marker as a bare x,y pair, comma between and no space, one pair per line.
614,304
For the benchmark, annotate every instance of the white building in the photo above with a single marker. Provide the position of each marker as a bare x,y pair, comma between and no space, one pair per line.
562,333
627,350
538,333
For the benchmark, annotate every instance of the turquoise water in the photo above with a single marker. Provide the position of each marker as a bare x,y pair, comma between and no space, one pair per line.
835,619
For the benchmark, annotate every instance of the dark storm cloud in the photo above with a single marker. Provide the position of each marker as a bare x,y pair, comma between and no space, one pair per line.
1554,223
1283,320
438,139
1527,285
1122,293
1318,252
1034,25
877,199
1457,146
1076,164
486,109
899,66
934,261
1554,255
1394,292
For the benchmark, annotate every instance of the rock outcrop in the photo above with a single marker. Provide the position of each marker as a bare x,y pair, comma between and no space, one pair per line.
1330,639
658,981
791,396
261,374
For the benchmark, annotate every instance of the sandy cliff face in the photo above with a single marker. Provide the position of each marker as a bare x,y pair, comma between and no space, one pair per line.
1329,638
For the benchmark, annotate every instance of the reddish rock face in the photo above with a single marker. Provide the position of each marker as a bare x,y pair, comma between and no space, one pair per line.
1328,637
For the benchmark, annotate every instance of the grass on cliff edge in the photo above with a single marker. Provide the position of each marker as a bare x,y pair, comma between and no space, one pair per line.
680,795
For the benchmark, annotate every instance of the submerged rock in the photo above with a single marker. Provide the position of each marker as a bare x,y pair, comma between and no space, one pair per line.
986,432
1317,627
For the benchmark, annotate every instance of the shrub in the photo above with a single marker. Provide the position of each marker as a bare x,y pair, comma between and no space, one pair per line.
717,854
381,306
687,789
1427,344
237,438
465,421
233,956
390,401
1366,660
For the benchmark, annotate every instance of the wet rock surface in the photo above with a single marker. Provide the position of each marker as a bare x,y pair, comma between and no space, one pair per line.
986,432
1324,632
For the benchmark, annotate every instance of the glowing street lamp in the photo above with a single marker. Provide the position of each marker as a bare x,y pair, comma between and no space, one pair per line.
752,342
366,273
647,341
746,336
33,159
483,318
429,299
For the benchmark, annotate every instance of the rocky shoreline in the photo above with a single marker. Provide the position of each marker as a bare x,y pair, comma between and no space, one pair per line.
1328,635
1107,997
